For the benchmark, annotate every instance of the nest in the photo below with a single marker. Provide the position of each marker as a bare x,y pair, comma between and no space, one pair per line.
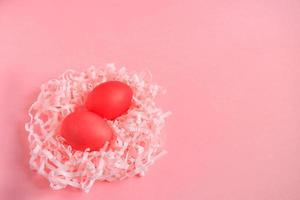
138,140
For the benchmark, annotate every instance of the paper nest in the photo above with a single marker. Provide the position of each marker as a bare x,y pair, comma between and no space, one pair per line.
138,133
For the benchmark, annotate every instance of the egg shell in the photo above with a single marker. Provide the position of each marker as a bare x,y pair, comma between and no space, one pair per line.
110,99
83,129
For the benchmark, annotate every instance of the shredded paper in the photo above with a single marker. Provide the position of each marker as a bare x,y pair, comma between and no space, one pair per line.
138,140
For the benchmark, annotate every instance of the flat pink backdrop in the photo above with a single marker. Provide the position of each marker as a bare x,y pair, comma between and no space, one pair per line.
231,68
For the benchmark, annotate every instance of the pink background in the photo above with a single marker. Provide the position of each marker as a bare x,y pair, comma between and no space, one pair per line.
231,68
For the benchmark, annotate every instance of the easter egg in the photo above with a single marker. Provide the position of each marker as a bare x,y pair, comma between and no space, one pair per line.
83,129
110,99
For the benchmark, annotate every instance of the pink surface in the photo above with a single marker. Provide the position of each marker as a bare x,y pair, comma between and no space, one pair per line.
231,68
